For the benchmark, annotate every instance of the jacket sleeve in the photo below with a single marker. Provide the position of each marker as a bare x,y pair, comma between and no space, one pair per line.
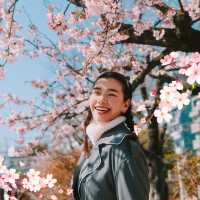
132,181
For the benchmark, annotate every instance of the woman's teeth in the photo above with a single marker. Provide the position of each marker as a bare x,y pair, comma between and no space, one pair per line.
102,109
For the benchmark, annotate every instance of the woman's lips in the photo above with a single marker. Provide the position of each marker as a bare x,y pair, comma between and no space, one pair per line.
102,110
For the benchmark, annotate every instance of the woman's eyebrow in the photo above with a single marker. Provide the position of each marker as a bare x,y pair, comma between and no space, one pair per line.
113,90
109,89
96,88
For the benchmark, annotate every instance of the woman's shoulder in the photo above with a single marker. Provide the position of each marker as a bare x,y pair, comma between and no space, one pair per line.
126,150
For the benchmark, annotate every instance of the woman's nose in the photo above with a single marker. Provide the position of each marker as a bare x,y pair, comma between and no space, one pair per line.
103,98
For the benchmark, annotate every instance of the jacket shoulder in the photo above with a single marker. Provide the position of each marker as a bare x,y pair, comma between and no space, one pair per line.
128,150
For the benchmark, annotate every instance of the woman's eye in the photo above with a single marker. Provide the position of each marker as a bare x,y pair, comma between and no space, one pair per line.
96,92
112,95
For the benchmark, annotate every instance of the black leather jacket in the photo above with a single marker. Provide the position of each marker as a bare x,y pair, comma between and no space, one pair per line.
116,169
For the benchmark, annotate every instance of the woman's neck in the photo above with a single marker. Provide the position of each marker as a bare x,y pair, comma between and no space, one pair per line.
96,129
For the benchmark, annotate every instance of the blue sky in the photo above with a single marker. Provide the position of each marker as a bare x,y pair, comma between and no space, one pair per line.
19,73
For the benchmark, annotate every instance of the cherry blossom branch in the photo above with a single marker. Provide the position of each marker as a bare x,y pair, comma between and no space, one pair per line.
156,102
68,5
162,7
49,55
181,5
169,40
196,20
151,65
12,6
100,50
78,3
66,115
12,17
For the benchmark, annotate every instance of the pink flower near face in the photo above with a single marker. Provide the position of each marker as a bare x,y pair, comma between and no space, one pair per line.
195,58
169,59
162,115
181,100
167,93
193,73
177,85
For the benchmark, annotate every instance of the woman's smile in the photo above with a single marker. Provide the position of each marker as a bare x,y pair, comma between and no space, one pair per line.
102,109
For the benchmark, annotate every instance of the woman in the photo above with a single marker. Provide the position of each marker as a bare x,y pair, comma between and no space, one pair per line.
115,168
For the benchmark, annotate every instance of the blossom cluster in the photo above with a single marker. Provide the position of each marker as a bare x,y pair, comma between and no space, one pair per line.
189,65
172,95
57,21
10,181
35,183
170,98
11,44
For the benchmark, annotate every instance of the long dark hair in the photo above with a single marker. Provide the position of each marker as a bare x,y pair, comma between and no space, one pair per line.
127,92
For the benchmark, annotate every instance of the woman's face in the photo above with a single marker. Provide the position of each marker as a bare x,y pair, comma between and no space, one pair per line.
107,100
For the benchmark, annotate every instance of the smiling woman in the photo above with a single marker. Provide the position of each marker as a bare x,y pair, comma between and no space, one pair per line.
115,168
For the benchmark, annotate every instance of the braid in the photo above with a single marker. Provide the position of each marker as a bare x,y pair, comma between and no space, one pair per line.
86,122
129,119
130,123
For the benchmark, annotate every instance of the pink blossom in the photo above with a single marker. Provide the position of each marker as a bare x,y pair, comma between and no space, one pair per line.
56,22
60,191
12,48
193,74
20,140
177,85
95,8
40,84
34,183
158,34
153,92
169,59
69,191
54,197
193,8
137,129
140,27
167,104
67,129
12,198
167,93
9,176
50,181
181,100
162,115
195,57
118,37
61,45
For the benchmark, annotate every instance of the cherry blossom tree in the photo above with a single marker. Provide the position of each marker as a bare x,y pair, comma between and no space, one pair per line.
153,42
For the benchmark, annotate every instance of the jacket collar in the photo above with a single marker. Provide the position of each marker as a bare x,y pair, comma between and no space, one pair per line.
115,135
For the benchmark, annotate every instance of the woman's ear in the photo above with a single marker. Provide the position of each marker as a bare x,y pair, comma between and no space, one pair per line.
127,103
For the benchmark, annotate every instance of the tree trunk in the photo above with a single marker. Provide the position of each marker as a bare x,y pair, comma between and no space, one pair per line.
159,188
1,194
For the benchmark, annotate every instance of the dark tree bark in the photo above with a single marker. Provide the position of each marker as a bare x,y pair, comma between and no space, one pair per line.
173,38
159,188
1,194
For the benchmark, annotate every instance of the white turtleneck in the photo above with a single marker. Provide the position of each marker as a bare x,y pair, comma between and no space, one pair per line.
95,130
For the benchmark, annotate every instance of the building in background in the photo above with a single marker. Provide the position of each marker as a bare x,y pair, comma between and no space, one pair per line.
185,127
